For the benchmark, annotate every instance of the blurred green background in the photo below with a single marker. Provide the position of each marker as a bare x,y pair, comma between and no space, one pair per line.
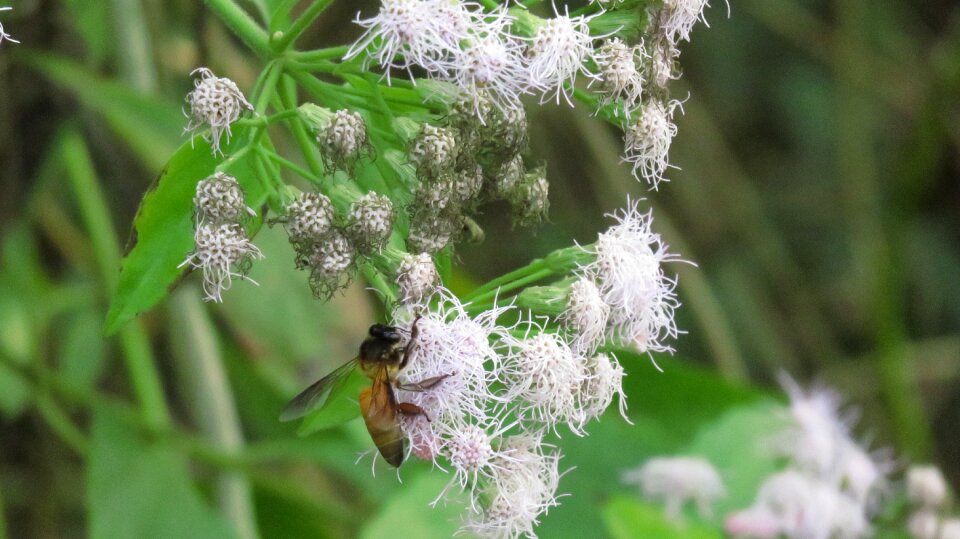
816,190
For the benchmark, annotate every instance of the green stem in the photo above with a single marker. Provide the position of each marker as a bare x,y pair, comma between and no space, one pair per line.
499,292
96,218
62,426
269,86
268,120
533,267
303,21
288,96
320,54
280,160
134,51
376,280
241,24
211,401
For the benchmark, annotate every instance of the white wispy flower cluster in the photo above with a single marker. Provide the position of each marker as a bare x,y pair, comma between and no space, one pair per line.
624,295
832,484
928,493
215,102
459,42
491,394
3,35
222,250
677,481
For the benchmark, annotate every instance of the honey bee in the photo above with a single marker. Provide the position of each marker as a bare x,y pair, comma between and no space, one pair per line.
381,359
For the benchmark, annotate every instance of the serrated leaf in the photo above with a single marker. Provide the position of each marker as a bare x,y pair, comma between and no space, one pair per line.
340,407
162,234
136,489
152,127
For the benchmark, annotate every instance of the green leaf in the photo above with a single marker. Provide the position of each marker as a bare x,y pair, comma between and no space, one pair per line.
341,406
152,127
83,350
408,513
627,519
135,489
91,18
163,228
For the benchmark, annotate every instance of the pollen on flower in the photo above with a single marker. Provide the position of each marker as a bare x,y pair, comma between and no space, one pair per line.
215,102
470,450
370,221
343,139
219,199
309,218
417,278
223,253
647,141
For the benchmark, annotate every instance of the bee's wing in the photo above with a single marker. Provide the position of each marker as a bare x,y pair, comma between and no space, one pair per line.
316,395
379,408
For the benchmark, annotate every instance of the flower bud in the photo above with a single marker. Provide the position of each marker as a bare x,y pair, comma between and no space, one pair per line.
434,150
370,221
223,252
343,139
328,262
417,278
531,203
219,199
215,102
309,218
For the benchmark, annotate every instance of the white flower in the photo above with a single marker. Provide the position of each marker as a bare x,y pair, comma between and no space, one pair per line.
417,278
543,378
413,32
619,76
558,52
816,439
808,508
950,528
677,18
676,481
219,199
492,65
863,475
370,221
4,35
223,253
663,63
647,141
755,522
309,218
604,380
923,525
523,488
586,315
628,271
926,486
215,102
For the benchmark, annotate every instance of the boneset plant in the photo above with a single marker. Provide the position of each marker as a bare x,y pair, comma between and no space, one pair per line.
401,137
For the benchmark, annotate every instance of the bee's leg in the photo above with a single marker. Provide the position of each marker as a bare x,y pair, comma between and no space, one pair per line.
414,332
409,408
422,385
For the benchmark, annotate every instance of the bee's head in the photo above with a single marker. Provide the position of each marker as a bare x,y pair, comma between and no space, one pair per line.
388,333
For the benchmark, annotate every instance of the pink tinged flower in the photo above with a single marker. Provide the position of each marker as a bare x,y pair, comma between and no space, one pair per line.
647,141
629,273
3,35
676,481
222,253
558,52
215,102
753,523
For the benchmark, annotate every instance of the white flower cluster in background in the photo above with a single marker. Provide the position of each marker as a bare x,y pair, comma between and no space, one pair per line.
222,250
928,495
832,485
677,481
3,35
624,295
215,103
